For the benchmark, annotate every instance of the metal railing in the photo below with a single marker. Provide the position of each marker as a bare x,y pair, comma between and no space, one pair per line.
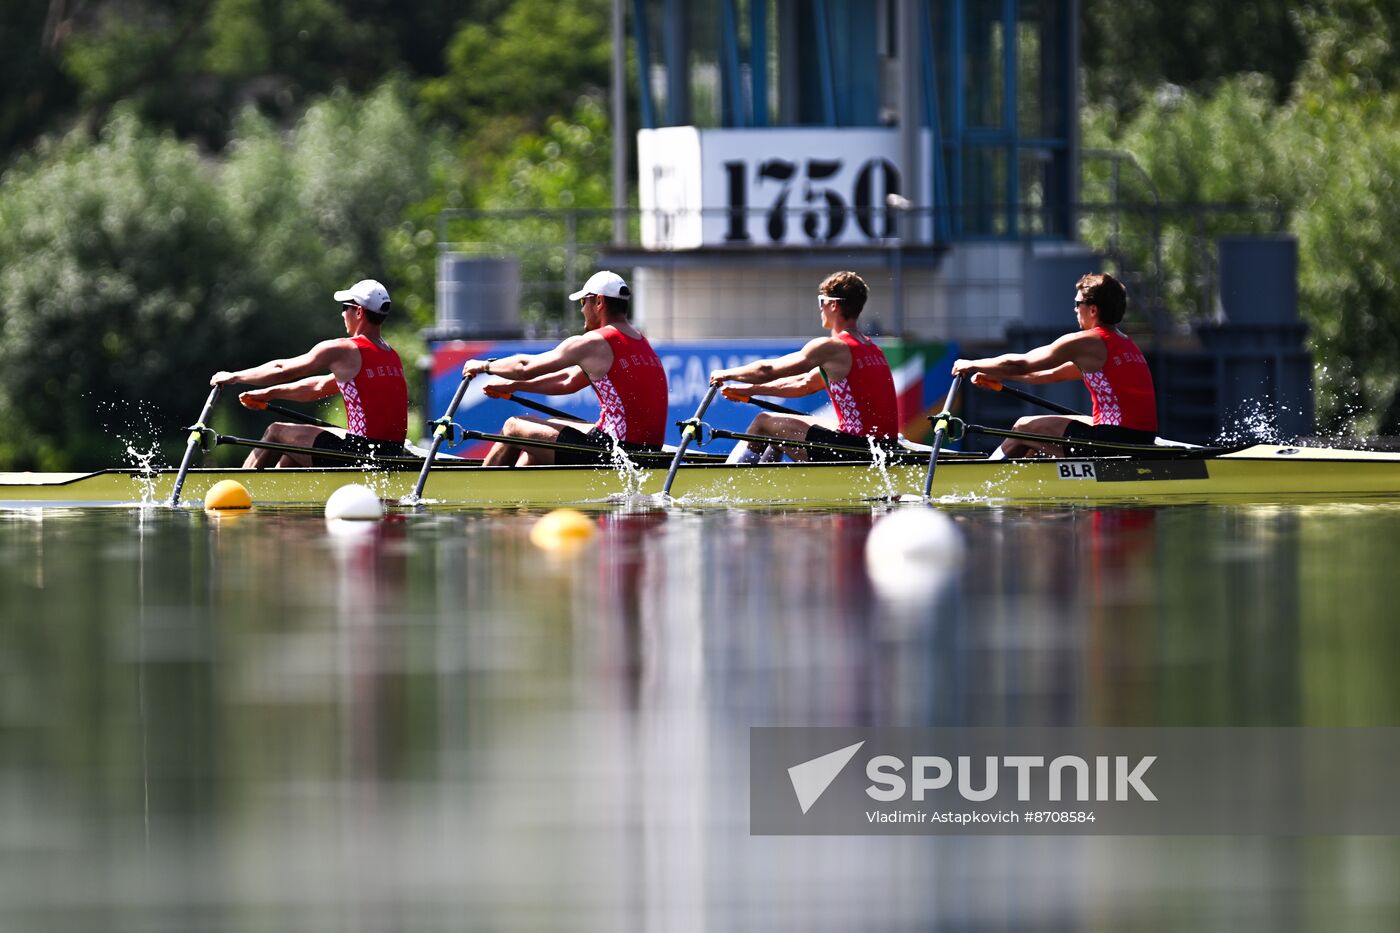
1165,252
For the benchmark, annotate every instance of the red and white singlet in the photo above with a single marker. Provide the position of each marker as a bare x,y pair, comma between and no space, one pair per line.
865,401
376,400
632,396
1122,390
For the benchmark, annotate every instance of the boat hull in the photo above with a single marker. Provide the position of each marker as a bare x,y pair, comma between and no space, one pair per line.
1257,473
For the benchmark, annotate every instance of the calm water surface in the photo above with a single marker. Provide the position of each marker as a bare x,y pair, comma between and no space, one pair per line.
258,722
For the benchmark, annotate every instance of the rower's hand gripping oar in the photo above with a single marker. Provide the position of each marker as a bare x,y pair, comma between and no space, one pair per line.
996,385
687,435
444,426
945,417
197,431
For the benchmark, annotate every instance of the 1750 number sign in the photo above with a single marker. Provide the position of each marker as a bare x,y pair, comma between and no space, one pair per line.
812,191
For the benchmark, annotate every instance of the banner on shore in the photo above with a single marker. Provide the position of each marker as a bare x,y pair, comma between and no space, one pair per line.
920,376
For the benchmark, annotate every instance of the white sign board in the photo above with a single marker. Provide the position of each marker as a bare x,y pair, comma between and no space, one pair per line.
767,187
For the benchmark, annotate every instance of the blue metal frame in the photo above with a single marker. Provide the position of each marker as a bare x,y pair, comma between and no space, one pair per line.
673,30
641,34
1010,95
731,82
758,60
941,215
956,28
827,82
953,140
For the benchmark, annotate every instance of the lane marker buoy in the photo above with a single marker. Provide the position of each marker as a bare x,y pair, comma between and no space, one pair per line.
354,503
562,530
227,494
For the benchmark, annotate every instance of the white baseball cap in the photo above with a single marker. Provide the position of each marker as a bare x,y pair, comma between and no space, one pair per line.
367,293
608,284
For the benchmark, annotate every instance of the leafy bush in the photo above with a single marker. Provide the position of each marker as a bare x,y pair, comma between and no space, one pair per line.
119,283
131,269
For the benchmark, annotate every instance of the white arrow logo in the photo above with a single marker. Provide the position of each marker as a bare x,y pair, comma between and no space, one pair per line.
811,778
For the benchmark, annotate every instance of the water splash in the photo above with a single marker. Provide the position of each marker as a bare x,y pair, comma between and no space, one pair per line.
1255,423
879,464
135,425
146,463
632,477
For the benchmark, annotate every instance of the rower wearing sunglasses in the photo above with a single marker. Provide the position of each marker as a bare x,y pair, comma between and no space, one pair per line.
1113,369
362,368
846,363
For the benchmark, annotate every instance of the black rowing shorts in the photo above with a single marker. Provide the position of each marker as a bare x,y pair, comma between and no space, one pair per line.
1111,433
817,434
597,438
365,449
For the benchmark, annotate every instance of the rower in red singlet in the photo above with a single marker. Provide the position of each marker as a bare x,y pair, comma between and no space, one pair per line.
1111,365
613,357
846,363
362,367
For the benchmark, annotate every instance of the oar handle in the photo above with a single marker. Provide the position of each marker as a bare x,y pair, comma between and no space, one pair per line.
688,434
940,432
543,408
996,385
771,406
196,436
439,435
300,416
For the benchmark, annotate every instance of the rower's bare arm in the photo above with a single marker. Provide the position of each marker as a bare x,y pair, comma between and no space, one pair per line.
821,352
589,352
304,390
791,387
1063,373
1081,352
561,383
338,357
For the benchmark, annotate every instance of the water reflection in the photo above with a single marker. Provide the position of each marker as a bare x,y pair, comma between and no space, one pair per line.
266,721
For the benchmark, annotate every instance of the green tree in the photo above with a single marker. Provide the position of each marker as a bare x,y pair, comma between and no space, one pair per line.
193,66
131,269
512,74
563,168
119,282
1323,155
1131,48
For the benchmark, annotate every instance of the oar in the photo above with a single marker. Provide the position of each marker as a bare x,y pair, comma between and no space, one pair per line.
767,406
543,408
687,434
940,432
300,416
439,435
996,385
196,435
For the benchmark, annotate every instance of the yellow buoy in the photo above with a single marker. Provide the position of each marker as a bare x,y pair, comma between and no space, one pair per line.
562,530
227,494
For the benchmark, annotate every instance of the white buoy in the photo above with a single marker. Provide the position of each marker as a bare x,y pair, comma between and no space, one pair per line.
912,553
354,503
